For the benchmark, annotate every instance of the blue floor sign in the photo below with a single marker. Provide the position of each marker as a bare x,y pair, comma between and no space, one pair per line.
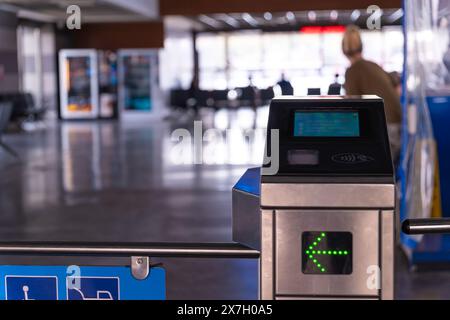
92,283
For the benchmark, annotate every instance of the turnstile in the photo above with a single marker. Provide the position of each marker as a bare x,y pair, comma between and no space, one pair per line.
322,212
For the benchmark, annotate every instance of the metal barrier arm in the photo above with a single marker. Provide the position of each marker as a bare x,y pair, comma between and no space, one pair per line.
425,226
170,250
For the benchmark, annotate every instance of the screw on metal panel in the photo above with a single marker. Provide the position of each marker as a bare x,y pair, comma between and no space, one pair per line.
140,267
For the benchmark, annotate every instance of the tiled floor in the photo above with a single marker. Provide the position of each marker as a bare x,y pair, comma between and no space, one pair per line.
123,181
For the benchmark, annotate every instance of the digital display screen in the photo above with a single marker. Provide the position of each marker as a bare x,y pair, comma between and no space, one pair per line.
327,252
79,84
326,124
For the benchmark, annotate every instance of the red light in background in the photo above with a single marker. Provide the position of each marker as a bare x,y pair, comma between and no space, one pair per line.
336,29
311,30
323,29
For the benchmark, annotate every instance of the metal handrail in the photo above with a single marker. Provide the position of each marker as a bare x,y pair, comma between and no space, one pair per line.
169,250
425,226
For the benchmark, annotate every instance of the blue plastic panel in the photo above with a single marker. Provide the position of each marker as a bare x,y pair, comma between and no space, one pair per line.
91,283
250,182
440,115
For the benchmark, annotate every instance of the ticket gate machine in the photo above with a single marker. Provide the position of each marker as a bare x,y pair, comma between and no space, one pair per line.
323,220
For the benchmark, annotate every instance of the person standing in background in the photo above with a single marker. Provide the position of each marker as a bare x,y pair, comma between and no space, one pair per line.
253,93
364,77
285,86
192,101
335,88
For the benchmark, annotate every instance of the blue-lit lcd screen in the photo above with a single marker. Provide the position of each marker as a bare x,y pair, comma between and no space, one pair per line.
326,124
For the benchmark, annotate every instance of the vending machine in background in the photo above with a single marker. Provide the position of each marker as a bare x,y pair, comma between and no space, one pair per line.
101,84
78,78
107,69
138,80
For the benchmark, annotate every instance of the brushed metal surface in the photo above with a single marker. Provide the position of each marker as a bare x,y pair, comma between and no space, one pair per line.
387,254
172,250
290,224
246,219
325,298
266,267
285,195
140,267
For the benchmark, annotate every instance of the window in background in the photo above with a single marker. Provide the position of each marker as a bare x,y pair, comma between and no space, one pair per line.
49,70
309,59
275,61
373,46
393,49
307,51
212,61
176,62
37,64
306,62
30,62
245,55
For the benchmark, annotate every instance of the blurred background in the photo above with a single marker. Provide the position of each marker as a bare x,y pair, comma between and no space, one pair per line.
91,92
204,44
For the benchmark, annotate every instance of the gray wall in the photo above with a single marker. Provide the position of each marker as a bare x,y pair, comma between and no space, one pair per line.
9,78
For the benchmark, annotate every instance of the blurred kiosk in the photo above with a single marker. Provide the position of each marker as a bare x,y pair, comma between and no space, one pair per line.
78,79
324,222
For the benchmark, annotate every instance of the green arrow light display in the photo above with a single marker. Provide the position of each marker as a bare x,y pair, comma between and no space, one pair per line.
327,252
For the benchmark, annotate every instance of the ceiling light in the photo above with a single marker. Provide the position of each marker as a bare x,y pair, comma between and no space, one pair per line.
290,16
268,16
355,15
334,15
396,15
249,19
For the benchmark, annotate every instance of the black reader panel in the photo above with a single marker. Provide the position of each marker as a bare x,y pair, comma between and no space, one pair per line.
330,136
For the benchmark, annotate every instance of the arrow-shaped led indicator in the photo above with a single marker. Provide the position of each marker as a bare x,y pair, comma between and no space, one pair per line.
325,250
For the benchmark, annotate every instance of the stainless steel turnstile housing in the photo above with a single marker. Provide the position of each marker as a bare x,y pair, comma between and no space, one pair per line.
344,214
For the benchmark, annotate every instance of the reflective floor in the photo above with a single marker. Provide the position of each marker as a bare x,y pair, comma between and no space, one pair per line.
129,181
